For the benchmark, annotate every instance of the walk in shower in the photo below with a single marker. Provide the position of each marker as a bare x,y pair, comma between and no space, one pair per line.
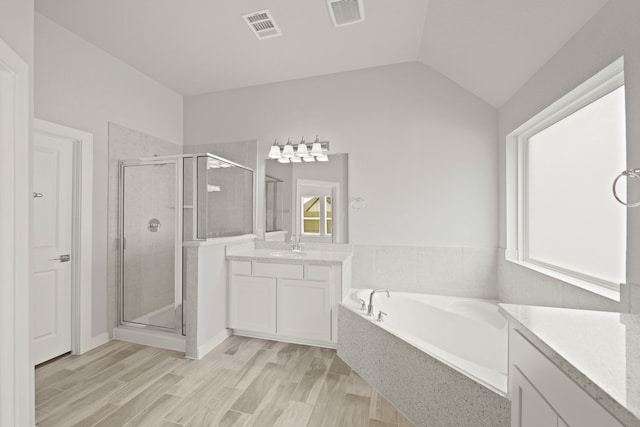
164,202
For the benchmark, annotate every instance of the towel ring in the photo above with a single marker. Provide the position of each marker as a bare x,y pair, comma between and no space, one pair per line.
633,173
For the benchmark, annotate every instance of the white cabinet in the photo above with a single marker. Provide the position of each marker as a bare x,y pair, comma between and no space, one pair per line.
542,395
289,302
304,309
252,304
529,408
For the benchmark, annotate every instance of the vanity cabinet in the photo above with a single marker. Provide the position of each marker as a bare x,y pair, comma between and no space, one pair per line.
543,396
294,302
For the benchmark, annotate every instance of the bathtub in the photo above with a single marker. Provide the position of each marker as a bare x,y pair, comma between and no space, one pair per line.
441,360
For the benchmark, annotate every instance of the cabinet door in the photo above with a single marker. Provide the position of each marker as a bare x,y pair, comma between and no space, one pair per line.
304,309
252,304
528,408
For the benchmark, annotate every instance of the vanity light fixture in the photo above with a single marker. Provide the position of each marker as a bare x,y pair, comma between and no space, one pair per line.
287,153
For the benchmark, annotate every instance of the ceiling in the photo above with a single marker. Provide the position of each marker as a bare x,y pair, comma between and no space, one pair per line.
489,47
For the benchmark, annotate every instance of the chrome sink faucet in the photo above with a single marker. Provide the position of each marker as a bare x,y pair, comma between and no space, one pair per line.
296,245
370,306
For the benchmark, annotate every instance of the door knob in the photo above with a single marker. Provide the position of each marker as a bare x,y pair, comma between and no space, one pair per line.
62,258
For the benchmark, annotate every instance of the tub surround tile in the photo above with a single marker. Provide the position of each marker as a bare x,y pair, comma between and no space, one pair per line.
397,265
456,271
363,265
603,362
428,392
440,268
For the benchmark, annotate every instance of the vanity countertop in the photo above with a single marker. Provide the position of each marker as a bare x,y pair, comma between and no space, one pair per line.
280,255
599,351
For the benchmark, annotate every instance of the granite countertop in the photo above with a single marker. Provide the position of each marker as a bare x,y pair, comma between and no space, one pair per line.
281,253
599,351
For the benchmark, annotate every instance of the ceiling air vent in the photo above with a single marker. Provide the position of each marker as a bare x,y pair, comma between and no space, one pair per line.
344,12
262,24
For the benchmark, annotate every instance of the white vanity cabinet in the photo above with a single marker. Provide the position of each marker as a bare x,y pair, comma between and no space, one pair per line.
543,396
294,302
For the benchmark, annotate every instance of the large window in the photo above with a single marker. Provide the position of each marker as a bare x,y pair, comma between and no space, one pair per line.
562,219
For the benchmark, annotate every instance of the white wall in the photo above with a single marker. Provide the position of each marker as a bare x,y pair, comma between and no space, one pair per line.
81,86
422,150
612,33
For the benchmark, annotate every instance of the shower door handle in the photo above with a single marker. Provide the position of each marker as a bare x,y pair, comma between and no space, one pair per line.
62,258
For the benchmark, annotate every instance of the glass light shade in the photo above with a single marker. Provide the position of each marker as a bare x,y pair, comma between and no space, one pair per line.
322,158
288,152
309,158
296,159
283,160
316,149
302,150
274,152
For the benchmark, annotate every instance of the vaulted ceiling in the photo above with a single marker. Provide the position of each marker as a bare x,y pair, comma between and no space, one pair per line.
489,47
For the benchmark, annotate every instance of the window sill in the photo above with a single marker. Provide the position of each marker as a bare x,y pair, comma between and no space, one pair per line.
611,294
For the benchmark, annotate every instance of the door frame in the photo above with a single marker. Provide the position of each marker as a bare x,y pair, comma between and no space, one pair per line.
16,369
178,162
81,233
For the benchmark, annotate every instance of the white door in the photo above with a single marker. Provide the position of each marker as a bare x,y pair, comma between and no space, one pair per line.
51,250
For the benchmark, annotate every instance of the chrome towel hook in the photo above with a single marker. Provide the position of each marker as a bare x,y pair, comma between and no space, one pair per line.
633,173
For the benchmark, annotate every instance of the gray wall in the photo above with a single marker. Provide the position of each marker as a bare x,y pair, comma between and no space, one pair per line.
422,150
613,32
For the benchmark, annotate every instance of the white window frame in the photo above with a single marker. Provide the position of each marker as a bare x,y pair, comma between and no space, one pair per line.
606,81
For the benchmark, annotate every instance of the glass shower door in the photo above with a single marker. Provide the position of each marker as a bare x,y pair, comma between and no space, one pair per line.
151,291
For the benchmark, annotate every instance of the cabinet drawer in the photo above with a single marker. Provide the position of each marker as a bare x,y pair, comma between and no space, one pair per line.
570,401
317,272
281,271
241,268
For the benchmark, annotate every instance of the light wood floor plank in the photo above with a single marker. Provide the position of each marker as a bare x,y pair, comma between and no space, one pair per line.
101,413
142,381
382,410
250,399
153,414
234,419
243,382
311,382
199,397
219,403
78,406
137,404
356,411
330,405
296,414
273,405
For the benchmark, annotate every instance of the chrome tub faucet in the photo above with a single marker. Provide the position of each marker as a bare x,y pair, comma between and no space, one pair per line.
370,306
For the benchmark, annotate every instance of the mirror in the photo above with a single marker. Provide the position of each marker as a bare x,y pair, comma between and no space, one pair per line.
308,199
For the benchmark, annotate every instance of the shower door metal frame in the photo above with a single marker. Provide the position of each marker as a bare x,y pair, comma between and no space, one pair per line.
179,202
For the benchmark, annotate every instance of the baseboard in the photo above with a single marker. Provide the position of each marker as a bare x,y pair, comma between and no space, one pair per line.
275,337
150,338
212,343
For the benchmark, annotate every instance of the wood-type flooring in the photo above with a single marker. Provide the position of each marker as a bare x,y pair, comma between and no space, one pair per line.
243,382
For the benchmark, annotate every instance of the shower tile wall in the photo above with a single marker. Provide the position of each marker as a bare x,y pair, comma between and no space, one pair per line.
125,143
468,272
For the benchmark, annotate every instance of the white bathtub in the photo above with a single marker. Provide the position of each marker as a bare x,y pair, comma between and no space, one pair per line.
466,334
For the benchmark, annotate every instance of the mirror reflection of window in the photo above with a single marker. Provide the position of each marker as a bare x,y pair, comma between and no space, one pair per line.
316,215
